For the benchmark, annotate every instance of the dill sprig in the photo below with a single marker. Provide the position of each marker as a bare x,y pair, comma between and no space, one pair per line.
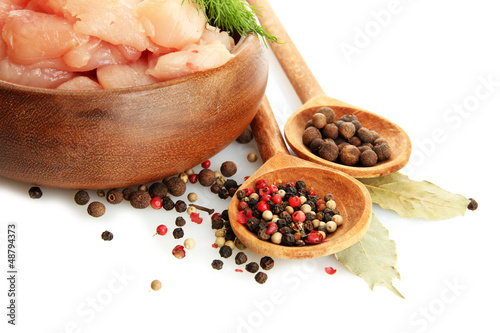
234,16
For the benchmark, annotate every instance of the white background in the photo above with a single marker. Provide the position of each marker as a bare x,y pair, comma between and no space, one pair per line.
413,68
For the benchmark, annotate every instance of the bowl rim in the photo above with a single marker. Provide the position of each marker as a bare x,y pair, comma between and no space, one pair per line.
238,48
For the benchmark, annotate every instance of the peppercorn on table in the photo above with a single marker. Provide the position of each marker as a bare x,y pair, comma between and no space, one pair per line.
432,68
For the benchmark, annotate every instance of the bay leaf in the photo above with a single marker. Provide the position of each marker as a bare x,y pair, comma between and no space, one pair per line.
373,258
410,198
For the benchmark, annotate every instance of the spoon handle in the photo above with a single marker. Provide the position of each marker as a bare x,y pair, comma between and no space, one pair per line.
267,133
305,84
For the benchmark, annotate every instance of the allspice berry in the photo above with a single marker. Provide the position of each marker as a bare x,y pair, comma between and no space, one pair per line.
309,135
175,186
365,135
330,131
156,285
379,141
316,144
96,209
319,120
347,130
206,177
158,189
383,151
114,196
368,158
252,157
246,136
140,199
127,192
82,197
349,155
348,117
355,141
228,168
329,151
328,112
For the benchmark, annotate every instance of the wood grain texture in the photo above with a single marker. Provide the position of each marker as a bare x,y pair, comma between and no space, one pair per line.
124,137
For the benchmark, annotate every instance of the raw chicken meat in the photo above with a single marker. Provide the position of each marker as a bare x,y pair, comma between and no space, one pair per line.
66,44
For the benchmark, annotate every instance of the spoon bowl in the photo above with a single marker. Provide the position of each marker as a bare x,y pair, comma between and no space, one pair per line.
123,137
352,198
397,138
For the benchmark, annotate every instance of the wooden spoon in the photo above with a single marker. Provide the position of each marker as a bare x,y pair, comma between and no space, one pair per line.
313,97
352,198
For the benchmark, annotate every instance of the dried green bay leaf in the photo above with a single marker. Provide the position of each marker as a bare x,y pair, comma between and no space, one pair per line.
410,198
373,258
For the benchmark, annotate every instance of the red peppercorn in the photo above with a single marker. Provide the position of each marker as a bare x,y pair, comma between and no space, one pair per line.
273,189
261,183
312,191
291,184
156,203
314,237
265,197
179,252
246,177
244,216
264,191
294,201
161,230
242,205
298,216
214,215
271,228
195,217
276,198
330,270
262,206
206,164
193,178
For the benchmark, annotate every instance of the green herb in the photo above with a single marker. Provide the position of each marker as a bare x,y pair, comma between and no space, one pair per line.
235,16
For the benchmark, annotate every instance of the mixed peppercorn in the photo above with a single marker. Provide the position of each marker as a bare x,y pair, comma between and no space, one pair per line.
287,214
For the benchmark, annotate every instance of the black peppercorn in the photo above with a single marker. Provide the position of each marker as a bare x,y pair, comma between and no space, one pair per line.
178,233
217,264
252,267
261,277
288,239
159,190
107,236
140,199
217,223
230,183
215,188
252,224
179,221
35,192
180,206
114,196
262,234
240,194
240,258
472,204
168,203
82,197
96,209
230,235
266,263
225,251
225,214
223,193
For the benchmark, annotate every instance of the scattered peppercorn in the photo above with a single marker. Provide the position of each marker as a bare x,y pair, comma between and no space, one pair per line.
158,189
192,197
225,251
96,209
127,192
472,204
261,277
217,264
168,203
206,177
228,169
178,233
142,187
189,243
107,236
252,157
179,252
180,206
246,136
35,192
101,193
240,258
114,196
252,267
140,199
266,263
175,186
180,222
156,285
82,197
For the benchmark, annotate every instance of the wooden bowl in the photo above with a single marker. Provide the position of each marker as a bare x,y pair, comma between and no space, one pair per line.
352,198
123,137
397,138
